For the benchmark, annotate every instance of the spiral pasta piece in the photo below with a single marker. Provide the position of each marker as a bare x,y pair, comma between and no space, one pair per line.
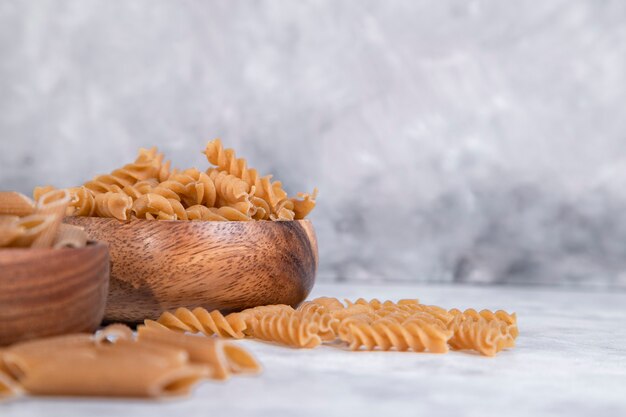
113,205
287,328
53,204
303,205
153,206
486,331
481,335
327,324
230,189
264,188
509,319
147,165
414,333
250,315
200,320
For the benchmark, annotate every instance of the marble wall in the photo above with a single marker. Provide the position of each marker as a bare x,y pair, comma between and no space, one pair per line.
451,140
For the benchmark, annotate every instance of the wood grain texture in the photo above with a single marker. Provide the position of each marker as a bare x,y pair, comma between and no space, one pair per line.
162,265
45,292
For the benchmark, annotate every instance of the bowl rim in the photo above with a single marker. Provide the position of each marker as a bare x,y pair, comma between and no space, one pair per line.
214,222
91,245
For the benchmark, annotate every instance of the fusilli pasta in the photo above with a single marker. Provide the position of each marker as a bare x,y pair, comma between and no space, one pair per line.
209,323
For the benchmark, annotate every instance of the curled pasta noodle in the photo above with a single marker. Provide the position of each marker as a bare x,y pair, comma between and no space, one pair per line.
153,206
250,315
229,214
82,203
326,323
304,205
115,205
329,303
53,204
415,333
147,165
283,211
509,319
225,160
30,228
481,335
202,321
230,189
202,190
10,229
140,188
16,204
262,210
39,191
287,328
223,214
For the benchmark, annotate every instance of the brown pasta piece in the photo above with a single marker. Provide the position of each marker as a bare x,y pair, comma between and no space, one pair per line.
154,206
230,189
16,204
69,236
200,320
481,335
115,205
222,357
264,188
286,328
326,323
486,332
250,315
140,188
147,165
77,365
39,191
53,204
82,203
240,361
509,319
10,230
303,205
414,333
31,227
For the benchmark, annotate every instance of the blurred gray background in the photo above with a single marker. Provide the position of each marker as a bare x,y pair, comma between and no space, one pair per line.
452,141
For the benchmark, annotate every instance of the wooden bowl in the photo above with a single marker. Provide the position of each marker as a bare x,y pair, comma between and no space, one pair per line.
161,265
45,292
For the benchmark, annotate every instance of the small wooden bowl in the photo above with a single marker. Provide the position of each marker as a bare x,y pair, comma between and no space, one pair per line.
160,265
46,292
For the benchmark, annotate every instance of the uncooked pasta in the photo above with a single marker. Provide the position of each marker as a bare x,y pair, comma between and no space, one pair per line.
362,324
42,228
200,320
113,363
149,188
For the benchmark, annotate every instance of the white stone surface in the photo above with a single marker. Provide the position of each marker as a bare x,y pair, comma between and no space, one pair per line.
452,140
570,360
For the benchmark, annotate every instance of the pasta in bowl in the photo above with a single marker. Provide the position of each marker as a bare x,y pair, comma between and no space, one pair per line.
223,237
161,265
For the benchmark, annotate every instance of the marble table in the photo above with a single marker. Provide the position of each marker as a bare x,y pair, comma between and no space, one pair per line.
570,360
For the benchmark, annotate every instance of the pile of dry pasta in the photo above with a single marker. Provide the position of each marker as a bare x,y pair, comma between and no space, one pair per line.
114,362
150,189
403,325
162,360
24,223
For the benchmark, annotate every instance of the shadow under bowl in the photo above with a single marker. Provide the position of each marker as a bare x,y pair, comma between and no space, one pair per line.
47,292
162,265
